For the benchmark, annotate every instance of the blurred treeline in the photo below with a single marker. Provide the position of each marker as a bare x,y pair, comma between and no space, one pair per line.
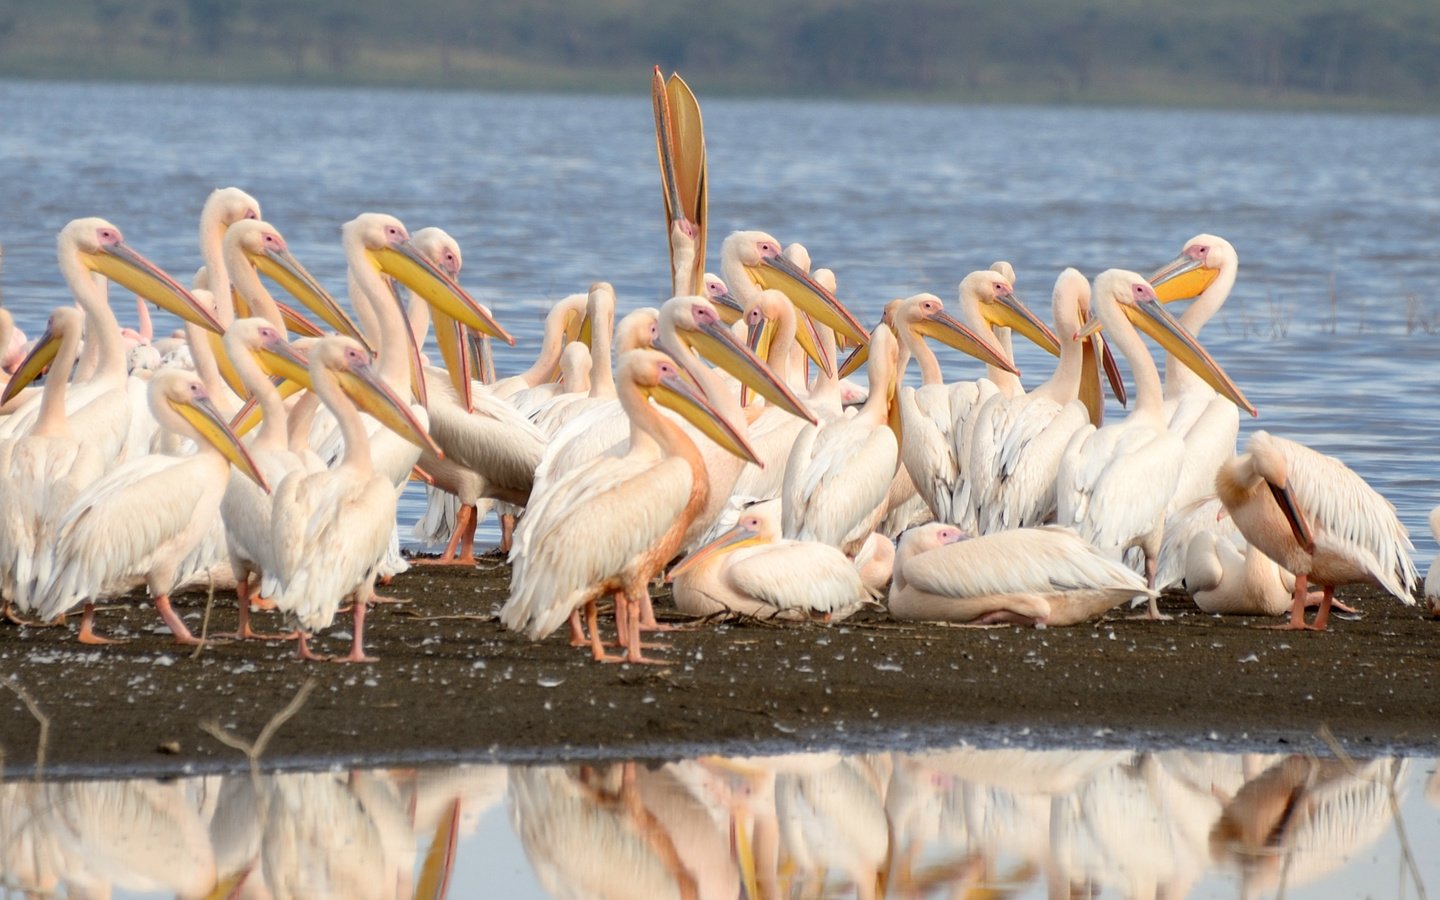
1210,53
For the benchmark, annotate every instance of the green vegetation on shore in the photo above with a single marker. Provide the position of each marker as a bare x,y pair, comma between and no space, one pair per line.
1330,53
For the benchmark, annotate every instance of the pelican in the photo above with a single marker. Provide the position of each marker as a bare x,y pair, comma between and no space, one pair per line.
646,499
838,474
246,510
42,471
7,332
1017,443
1114,483
753,260
1318,519
680,144
562,325
1432,577
332,528
1045,575
751,570
143,519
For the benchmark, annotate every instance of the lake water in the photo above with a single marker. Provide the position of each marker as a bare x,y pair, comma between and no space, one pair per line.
964,822
1331,332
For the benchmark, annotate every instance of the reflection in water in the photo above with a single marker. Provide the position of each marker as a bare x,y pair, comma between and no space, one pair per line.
1008,822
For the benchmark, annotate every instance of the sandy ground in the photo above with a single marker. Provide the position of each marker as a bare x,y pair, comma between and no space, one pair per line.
451,685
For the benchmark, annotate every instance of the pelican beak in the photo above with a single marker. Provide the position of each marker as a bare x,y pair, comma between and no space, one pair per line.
482,359
715,342
249,414
211,425
135,273
416,365
728,306
734,539
1008,311
34,365
1150,316
674,392
295,321
362,384
1095,356
450,338
807,334
1303,535
680,145
228,373
402,261
949,331
855,361
1182,278
759,335
281,360
808,295
285,270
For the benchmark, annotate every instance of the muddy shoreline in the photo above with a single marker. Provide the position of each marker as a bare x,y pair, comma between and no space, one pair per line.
452,686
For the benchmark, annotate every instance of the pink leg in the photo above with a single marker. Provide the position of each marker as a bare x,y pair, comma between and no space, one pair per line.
633,654
357,646
303,651
1297,605
464,524
597,646
244,597
173,621
87,628
507,532
577,634
1322,618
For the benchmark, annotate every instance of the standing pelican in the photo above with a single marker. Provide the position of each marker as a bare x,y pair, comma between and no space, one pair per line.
1318,519
1432,576
42,471
1036,576
143,519
645,500
332,528
751,570
1114,484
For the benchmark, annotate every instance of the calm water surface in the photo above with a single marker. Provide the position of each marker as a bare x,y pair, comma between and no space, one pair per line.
1331,332
966,822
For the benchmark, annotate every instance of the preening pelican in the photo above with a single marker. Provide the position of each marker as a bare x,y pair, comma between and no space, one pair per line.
42,470
140,521
646,498
1114,484
1046,575
331,529
751,570
1017,443
1315,517
838,474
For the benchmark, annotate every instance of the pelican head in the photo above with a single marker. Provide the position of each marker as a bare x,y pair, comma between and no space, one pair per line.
101,248
347,363
759,523
660,378
924,538
65,323
262,245
992,295
638,329
179,403
762,323
726,303
756,256
267,344
1195,269
223,208
1135,297
924,314
694,322
1264,460
388,247
440,248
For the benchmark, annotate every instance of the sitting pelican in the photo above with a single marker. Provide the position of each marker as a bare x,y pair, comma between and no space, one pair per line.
42,470
1114,483
1045,575
751,570
331,529
1318,519
644,498
143,519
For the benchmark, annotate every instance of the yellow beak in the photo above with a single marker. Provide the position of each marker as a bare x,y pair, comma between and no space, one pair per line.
362,384
680,145
285,270
734,539
402,261
949,331
211,425
1150,316
1181,279
718,345
135,273
1008,311
808,295
450,338
34,365
674,392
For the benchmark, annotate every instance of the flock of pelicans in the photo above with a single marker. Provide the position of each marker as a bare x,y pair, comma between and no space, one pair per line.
1010,505
727,404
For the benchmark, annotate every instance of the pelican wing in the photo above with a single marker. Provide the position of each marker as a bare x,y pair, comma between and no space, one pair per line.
801,575
40,476
1015,458
1352,513
1185,525
926,447
594,526
966,399
495,440
1109,479
1023,560
835,478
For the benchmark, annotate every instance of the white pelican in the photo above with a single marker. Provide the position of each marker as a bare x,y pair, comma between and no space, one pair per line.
245,509
42,470
1045,575
753,260
1017,443
751,570
598,376
1318,519
142,520
7,332
1114,484
838,474
332,528
1432,575
642,501
562,325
